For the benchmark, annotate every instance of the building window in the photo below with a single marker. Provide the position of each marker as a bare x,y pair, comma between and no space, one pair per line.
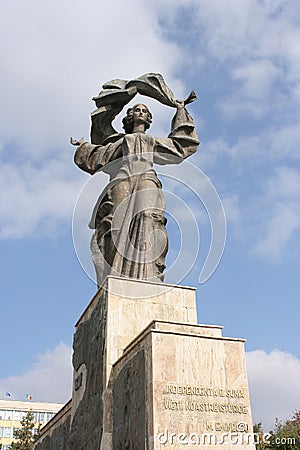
8,415
7,432
17,415
49,416
2,414
1,431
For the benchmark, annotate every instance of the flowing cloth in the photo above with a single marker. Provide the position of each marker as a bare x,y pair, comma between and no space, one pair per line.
130,238
117,93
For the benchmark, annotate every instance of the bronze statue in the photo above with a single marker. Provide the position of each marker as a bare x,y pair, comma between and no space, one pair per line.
130,238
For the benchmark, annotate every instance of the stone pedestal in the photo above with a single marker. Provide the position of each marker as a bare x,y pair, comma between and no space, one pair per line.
120,310
147,376
163,378
179,384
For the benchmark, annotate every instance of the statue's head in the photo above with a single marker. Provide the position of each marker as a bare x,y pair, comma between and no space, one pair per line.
137,112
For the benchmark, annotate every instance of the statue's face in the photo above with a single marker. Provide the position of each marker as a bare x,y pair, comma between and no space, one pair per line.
140,114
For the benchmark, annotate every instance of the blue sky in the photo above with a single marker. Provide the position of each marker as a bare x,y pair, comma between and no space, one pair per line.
243,60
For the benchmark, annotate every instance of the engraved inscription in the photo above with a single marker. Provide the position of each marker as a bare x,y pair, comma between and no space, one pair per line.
223,400
203,391
205,407
227,426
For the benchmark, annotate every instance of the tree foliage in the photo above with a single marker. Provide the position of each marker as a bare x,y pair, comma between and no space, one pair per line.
24,437
284,436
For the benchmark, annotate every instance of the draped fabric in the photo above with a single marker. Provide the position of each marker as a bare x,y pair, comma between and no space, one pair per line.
130,237
117,93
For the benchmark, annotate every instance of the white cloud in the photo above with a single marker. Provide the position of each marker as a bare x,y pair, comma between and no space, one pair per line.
49,379
55,56
36,200
282,206
232,208
256,44
256,77
279,233
261,198
254,90
260,29
274,385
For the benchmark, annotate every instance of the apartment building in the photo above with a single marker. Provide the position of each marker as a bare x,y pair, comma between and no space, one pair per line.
12,412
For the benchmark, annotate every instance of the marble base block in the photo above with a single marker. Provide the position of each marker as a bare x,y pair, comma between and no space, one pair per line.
147,376
182,386
120,310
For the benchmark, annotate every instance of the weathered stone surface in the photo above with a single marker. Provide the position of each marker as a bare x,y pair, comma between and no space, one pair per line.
119,311
144,369
197,388
56,433
88,363
129,410
132,305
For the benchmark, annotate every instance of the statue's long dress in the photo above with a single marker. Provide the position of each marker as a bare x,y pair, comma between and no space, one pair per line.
130,238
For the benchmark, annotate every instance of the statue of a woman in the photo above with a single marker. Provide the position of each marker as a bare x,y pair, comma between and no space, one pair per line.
130,238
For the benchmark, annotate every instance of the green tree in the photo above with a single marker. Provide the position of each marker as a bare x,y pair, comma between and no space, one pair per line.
259,436
284,436
24,437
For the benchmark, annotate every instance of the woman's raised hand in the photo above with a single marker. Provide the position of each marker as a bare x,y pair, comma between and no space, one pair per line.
75,142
